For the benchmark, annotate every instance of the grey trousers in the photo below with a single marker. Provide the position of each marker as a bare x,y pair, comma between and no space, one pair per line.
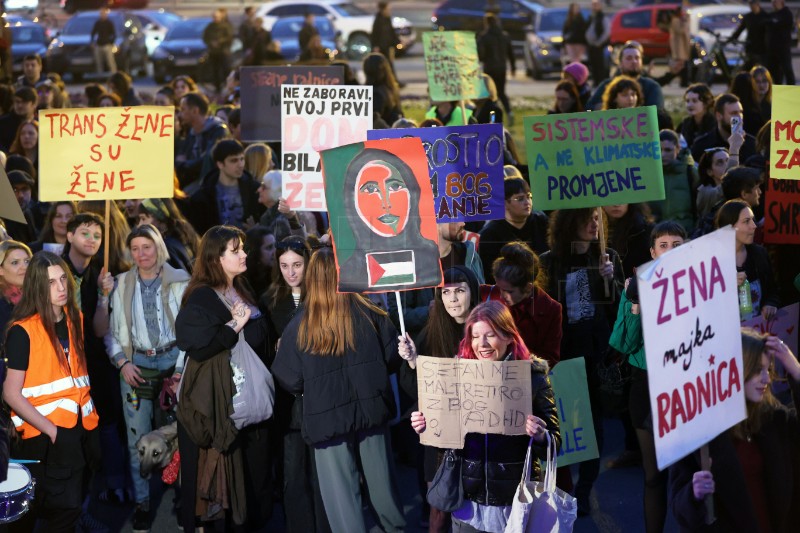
338,473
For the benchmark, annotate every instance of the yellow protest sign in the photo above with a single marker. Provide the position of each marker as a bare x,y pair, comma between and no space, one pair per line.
784,151
108,153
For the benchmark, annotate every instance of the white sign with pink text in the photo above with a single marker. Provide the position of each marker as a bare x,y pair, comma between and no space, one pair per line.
315,118
690,318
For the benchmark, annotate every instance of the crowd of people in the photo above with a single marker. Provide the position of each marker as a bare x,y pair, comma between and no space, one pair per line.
95,350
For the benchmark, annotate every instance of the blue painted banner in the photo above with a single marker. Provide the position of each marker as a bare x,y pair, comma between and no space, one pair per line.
466,169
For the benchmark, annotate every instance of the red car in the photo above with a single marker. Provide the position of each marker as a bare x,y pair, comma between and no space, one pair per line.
649,25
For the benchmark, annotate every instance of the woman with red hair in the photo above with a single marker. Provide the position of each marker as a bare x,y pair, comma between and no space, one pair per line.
492,464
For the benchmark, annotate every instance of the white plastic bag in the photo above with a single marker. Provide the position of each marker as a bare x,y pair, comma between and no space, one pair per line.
255,388
541,507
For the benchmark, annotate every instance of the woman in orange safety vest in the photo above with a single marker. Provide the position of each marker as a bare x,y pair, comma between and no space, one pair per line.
47,388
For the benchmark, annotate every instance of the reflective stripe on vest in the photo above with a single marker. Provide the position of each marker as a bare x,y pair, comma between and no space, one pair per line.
57,395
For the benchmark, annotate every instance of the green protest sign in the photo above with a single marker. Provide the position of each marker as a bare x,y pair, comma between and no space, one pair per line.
578,442
451,61
594,159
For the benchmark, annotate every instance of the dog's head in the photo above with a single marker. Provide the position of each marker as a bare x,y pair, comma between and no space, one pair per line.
155,451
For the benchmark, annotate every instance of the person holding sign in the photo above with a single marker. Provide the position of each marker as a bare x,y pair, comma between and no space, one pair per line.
47,388
754,477
338,352
627,338
752,261
440,338
492,463
585,277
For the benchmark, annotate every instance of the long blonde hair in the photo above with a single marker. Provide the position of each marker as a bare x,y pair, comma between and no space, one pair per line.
327,324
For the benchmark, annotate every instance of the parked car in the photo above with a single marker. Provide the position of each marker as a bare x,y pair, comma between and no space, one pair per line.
71,52
354,23
27,37
544,42
286,31
515,15
71,6
649,26
156,24
183,51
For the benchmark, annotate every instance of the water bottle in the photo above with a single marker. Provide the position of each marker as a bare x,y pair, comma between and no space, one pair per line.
745,301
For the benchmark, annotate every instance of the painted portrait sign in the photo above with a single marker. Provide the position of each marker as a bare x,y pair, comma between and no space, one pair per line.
466,169
380,205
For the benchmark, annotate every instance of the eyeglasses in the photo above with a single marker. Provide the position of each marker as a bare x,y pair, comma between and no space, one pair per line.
521,199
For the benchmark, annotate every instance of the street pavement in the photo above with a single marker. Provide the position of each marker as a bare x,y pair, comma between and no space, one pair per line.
616,500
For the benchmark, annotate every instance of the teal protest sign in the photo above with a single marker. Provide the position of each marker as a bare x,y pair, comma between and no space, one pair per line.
594,159
578,442
451,62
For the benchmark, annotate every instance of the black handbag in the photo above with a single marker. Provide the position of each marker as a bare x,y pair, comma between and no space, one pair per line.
446,492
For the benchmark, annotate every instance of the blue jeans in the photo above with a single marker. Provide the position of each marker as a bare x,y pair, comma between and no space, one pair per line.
139,422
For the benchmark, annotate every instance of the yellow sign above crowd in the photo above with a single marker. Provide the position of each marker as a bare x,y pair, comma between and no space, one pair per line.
109,153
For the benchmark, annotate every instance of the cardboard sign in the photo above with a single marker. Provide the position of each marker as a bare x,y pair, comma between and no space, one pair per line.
460,396
466,169
451,61
782,212
9,206
107,153
578,441
690,319
594,159
261,97
314,118
380,206
784,150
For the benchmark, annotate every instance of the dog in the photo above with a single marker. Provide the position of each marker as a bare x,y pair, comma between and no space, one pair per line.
157,448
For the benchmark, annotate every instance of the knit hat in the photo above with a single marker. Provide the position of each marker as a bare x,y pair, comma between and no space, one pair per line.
578,71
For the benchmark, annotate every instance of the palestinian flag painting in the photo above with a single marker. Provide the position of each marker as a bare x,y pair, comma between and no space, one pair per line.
383,225
391,268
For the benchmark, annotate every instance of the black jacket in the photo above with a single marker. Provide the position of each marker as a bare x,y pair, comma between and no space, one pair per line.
691,131
758,268
494,49
204,208
713,139
756,26
498,233
778,443
492,464
342,394
383,35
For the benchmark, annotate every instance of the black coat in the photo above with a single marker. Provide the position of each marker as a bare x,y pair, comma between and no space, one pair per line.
494,49
498,233
342,394
383,35
502,457
778,443
204,209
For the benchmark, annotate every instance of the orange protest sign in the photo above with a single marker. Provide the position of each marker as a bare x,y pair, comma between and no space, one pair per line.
109,153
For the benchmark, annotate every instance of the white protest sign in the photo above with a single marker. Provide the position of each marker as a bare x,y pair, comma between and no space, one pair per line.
460,396
314,118
690,318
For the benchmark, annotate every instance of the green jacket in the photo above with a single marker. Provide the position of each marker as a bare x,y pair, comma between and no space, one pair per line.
627,337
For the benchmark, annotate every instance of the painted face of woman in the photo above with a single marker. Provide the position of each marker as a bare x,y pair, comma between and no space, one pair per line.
382,199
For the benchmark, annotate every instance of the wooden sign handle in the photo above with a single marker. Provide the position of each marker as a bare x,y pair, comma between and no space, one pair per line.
705,464
603,247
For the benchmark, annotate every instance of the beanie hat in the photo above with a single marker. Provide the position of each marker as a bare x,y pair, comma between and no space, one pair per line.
578,71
